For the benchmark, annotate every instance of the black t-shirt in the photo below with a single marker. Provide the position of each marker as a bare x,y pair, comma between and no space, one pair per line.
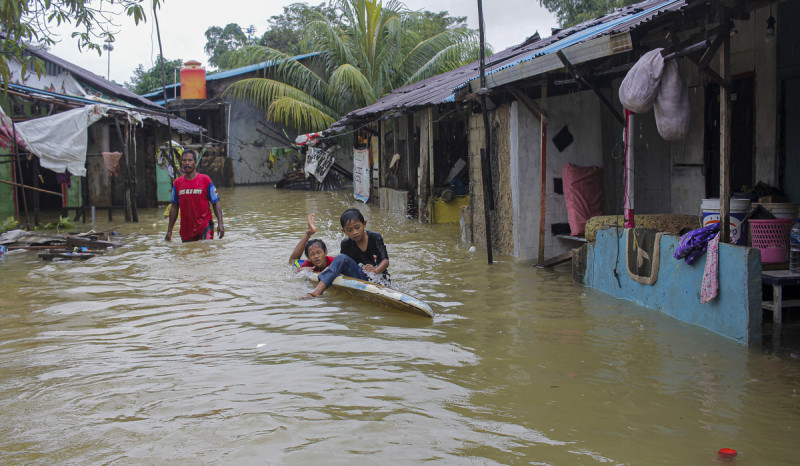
374,255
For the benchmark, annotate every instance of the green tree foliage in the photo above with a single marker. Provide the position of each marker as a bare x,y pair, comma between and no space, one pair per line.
424,24
30,22
572,12
286,31
364,55
221,43
143,81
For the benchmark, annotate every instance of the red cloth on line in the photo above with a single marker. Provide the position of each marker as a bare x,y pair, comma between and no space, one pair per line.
583,193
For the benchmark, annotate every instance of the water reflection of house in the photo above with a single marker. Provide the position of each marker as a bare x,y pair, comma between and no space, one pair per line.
257,149
573,78
65,86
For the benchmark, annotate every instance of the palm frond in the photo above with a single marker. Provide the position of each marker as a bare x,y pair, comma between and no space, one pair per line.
442,52
263,92
282,67
297,114
347,80
325,36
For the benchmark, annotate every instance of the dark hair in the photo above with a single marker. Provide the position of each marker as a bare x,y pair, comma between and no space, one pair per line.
350,215
190,151
316,241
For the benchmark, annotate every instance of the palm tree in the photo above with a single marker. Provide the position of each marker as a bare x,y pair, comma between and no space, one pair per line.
365,54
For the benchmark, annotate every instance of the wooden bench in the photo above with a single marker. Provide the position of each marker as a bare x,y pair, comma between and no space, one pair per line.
778,279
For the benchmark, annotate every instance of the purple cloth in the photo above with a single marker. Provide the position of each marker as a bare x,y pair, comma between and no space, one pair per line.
62,178
694,244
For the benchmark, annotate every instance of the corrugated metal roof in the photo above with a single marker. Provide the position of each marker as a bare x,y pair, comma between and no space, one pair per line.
432,91
256,67
442,88
231,73
619,21
178,124
93,80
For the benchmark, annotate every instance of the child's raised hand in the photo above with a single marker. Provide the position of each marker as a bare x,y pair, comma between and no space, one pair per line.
311,228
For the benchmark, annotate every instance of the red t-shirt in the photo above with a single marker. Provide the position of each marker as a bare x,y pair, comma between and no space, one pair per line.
193,197
307,263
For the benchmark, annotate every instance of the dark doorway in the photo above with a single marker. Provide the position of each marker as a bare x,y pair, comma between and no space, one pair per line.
742,105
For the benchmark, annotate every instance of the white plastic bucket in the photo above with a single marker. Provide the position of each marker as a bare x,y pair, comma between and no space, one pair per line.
709,213
781,209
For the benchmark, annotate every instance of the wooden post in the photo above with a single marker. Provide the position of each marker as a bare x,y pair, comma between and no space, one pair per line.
431,179
543,173
64,211
486,166
19,167
411,172
36,204
15,196
125,174
426,156
725,138
376,189
629,161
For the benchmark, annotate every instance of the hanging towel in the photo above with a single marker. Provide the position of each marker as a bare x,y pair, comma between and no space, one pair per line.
710,286
111,159
643,254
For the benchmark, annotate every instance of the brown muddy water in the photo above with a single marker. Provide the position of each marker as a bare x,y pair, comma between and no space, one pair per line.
203,353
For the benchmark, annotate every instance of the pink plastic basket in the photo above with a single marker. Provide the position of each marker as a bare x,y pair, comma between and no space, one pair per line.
771,237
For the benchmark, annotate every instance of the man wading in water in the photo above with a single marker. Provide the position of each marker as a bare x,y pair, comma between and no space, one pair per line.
191,194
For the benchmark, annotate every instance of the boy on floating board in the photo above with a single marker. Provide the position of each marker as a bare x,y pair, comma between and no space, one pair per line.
363,254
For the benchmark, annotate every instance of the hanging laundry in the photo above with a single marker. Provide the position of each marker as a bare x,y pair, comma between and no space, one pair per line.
111,160
62,178
710,286
694,244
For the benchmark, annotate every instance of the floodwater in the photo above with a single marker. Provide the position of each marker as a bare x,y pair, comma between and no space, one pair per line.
202,353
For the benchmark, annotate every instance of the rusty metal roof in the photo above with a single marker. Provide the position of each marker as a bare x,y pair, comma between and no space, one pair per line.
442,88
55,65
432,91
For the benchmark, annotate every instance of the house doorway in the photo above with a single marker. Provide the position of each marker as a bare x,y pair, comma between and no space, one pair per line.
742,140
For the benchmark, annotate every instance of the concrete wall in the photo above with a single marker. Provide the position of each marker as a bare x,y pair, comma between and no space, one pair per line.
766,111
687,168
502,218
250,150
735,313
581,113
394,200
752,53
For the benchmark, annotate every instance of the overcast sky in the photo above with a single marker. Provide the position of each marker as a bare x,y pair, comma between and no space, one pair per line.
184,22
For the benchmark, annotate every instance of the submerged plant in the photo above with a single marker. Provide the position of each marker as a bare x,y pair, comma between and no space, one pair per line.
10,223
63,223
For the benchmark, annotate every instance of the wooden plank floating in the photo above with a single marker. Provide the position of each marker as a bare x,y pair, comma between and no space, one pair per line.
74,241
559,259
81,256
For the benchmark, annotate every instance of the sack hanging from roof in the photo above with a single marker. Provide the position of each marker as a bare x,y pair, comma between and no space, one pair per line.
639,88
672,108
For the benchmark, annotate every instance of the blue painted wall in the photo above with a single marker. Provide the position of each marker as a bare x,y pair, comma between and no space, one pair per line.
735,313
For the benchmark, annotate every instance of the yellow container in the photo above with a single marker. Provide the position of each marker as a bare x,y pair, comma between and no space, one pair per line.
448,212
